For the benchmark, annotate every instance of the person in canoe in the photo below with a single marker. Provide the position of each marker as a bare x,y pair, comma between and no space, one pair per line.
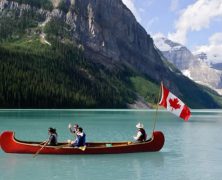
80,138
141,133
52,141
73,129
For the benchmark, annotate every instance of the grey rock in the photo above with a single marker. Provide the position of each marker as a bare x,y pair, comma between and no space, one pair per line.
195,67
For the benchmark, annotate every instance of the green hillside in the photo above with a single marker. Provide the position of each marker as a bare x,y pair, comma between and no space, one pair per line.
36,75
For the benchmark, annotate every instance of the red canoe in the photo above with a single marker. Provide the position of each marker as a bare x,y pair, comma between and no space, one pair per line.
10,145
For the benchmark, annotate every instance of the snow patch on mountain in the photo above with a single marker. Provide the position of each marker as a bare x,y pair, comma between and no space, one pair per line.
187,73
197,67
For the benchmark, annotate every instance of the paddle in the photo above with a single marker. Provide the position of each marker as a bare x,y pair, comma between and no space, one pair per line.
40,149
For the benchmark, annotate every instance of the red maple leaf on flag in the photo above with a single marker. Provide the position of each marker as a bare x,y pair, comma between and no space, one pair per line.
174,103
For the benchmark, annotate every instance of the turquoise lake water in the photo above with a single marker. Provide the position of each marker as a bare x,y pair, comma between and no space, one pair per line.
192,150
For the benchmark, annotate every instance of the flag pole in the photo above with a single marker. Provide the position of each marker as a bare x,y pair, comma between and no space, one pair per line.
157,107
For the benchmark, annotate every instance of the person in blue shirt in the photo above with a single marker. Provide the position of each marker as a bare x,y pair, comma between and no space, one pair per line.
80,138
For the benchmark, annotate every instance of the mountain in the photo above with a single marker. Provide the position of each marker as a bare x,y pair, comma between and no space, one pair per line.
204,57
176,53
217,66
84,54
196,67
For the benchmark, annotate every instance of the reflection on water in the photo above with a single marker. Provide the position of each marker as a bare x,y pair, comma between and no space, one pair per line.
76,166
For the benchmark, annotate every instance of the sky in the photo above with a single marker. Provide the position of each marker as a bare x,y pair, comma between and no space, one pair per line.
197,24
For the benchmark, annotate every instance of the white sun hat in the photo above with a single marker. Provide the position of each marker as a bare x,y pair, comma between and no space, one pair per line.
139,125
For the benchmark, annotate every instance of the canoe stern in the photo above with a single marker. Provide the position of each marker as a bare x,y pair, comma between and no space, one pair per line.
159,140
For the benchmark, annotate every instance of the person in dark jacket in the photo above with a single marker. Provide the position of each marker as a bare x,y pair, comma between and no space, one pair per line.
141,133
80,138
52,137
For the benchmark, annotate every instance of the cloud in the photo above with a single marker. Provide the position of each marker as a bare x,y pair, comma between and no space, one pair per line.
216,39
174,5
158,35
196,17
214,49
131,5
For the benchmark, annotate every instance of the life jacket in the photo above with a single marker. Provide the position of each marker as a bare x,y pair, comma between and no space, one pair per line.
81,139
52,140
143,136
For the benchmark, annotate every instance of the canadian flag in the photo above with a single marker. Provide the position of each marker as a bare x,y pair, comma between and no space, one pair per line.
174,104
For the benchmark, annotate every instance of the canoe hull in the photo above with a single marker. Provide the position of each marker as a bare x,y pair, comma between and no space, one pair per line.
0,139
10,145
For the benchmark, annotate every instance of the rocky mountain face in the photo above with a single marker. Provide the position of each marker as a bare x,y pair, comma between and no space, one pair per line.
217,66
195,67
107,31
108,35
204,57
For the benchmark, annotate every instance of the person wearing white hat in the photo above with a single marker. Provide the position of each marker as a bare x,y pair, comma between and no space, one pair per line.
141,133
